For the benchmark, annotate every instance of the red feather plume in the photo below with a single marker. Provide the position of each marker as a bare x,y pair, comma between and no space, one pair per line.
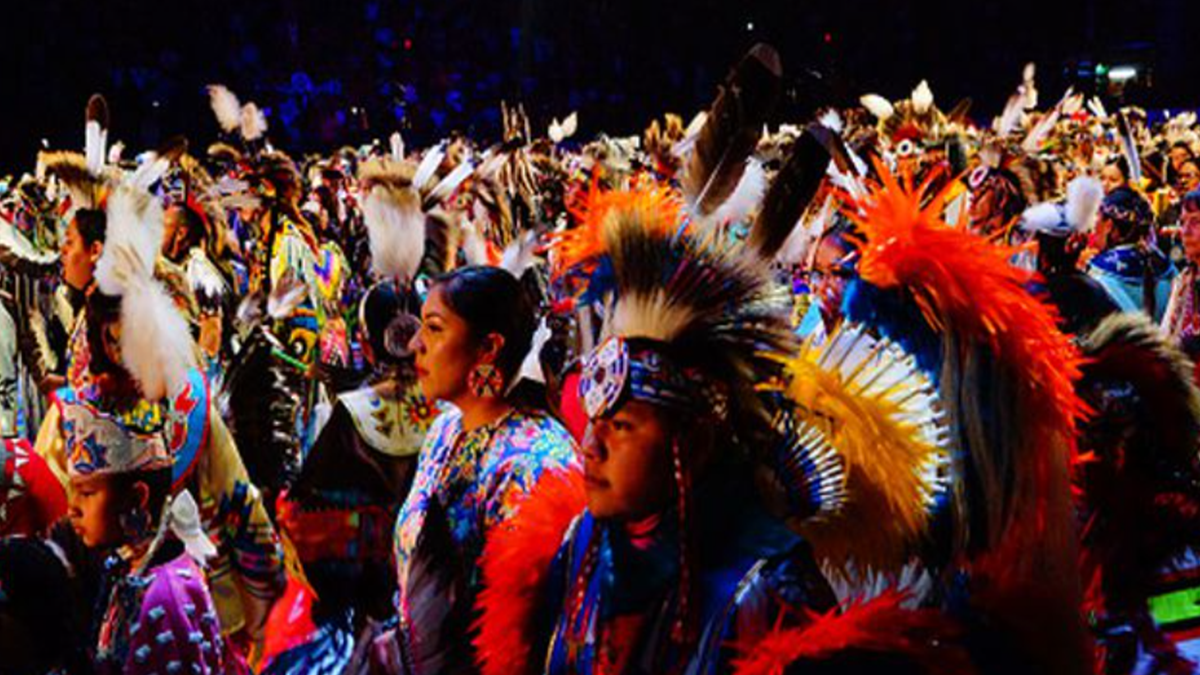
965,285
1008,383
515,560
925,637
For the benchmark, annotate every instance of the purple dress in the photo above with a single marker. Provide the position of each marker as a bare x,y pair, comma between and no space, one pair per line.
163,621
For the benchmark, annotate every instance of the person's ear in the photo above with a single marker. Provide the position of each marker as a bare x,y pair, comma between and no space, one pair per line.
95,251
489,348
139,494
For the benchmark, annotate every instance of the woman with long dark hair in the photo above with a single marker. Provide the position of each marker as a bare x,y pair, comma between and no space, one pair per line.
480,458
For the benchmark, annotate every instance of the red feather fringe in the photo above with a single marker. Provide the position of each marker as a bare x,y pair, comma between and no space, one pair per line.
515,560
966,284
1025,578
923,636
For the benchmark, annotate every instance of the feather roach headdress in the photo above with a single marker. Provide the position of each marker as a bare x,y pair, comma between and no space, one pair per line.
394,219
1006,376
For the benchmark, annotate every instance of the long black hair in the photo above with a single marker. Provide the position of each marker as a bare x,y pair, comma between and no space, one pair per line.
491,300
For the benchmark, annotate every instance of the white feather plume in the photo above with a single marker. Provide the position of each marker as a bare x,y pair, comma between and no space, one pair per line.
253,122
555,132
133,239
226,107
1096,106
428,167
1084,196
473,246
520,255
396,142
115,152
745,197
878,106
570,125
1028,90
95,138
832,120
922,98
1046,218
450,183
684,146
150,170
286,295
156,342
395,232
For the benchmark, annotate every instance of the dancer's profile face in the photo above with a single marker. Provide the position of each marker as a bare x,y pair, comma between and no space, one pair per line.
92,510
78,258
444,350
627,462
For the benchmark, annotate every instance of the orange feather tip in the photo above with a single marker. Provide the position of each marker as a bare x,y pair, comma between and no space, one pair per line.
655,208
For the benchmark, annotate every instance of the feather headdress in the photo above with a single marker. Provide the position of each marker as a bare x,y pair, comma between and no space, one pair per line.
155,341
731,131
1077,215
394,219
96,134
1006,376
712,309
226,107
881,416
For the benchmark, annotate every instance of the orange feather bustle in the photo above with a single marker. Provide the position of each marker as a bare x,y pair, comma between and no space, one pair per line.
514,564
656,208
1021,446
963,283
880,625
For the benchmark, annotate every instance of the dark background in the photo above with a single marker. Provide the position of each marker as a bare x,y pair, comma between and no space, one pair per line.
331,73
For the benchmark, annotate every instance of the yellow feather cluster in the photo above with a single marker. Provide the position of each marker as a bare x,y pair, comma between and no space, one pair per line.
878,411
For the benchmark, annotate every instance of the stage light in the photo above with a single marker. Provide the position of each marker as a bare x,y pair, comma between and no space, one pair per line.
749,25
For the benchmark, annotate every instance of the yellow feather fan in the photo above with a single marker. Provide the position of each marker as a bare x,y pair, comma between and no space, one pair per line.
878,411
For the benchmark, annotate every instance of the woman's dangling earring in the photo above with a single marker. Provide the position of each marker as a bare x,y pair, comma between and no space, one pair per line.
485,381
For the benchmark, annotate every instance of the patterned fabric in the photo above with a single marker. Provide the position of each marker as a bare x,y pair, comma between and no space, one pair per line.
100,442
291,253
247,574
162,621
393,427
9,402
1121,271
479,477
1181,321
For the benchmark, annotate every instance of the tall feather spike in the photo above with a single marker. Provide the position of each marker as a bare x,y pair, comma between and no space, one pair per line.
96,134
732,129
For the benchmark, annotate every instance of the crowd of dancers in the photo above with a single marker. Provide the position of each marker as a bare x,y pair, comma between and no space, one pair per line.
885,389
